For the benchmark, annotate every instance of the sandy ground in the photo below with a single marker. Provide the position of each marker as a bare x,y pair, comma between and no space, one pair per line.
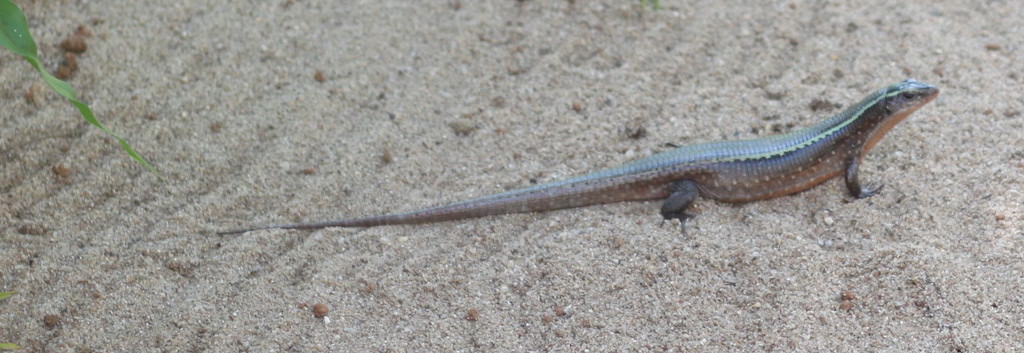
422,103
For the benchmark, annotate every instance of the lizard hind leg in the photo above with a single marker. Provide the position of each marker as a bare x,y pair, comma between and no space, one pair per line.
682,195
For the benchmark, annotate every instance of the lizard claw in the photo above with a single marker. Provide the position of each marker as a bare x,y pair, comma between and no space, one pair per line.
870,191
681,216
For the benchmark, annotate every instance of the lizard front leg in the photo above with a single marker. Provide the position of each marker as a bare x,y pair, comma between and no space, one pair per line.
853,185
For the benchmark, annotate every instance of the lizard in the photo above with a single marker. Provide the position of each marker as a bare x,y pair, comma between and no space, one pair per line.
727,171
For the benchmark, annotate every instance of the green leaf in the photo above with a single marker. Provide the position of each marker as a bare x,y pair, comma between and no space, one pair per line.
14,36
7,346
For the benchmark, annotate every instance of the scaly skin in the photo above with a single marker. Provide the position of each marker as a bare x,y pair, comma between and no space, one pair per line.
729,171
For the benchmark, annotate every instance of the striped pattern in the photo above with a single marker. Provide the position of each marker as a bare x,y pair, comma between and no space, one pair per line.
731,171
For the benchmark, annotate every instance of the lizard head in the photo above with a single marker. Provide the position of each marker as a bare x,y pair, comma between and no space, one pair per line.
905,97
897,103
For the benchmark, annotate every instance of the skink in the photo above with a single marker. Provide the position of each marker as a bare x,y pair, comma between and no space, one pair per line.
728,171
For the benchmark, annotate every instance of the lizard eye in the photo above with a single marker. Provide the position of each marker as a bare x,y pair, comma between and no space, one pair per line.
907,95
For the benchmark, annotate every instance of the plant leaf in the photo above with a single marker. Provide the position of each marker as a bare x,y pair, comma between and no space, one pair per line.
14,36
7,346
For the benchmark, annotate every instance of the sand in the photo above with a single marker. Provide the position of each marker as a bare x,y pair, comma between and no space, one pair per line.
422,103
